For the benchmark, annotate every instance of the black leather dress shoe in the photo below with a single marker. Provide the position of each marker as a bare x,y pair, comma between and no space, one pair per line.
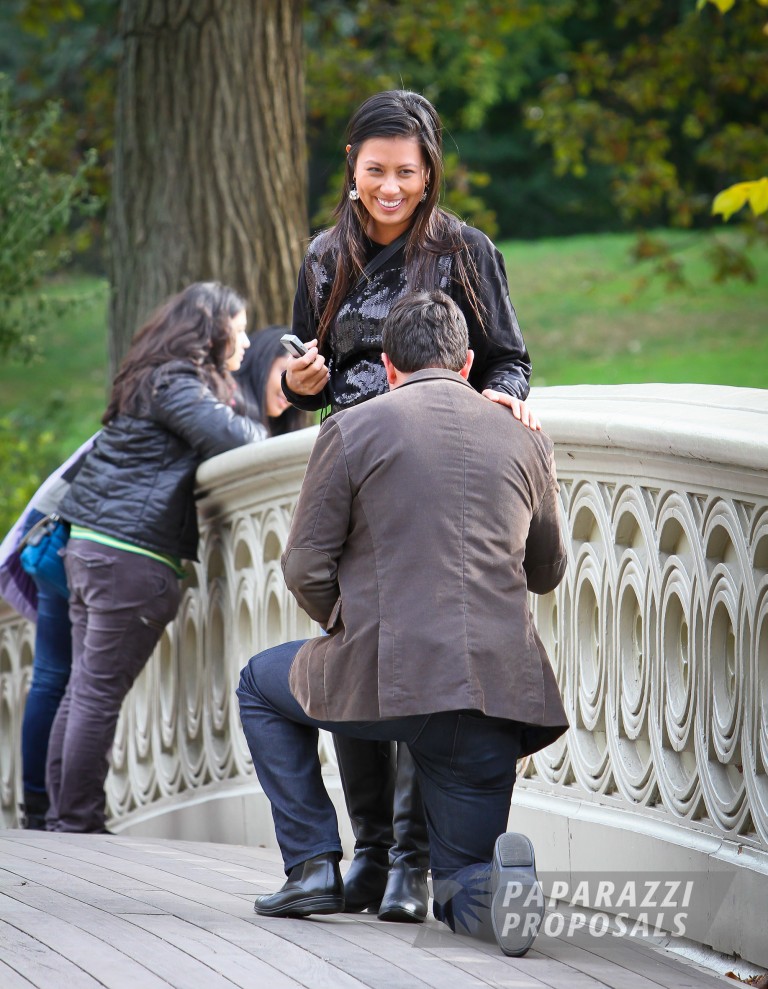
406,897
315,886
366,880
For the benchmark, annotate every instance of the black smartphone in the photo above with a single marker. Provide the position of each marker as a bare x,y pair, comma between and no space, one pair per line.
293,345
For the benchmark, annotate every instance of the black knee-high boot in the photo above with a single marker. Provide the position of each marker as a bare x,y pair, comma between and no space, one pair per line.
406,896
389,870
367,770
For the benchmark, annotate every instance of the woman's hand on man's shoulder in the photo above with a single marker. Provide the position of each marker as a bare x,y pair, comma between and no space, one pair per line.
519,409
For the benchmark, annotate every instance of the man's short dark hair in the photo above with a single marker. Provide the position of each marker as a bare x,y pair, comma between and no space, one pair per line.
425,329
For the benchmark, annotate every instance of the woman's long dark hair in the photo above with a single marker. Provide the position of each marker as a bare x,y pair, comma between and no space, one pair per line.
195,326
252,377
433,233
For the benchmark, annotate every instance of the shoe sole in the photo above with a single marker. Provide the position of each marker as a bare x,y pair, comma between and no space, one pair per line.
372,907
400,916
305,907
517,901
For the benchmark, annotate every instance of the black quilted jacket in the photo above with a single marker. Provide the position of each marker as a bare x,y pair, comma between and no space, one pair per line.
137,482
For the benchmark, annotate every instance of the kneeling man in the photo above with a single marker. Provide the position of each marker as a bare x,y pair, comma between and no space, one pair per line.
425,517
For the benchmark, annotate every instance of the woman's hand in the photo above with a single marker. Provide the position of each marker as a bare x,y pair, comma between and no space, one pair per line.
307,375
519,409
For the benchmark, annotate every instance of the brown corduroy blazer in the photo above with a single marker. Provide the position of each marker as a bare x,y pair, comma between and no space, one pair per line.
425,517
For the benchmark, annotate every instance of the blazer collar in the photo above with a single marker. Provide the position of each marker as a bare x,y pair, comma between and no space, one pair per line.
435,374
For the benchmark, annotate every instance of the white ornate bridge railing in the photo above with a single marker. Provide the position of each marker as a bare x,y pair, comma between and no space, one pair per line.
658,634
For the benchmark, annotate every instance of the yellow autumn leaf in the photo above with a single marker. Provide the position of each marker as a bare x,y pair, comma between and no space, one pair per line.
758,196
730,200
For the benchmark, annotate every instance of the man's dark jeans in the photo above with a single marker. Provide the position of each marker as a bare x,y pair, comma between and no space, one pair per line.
466,766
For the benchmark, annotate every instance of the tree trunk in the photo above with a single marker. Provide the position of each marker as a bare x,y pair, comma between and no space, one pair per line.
210,162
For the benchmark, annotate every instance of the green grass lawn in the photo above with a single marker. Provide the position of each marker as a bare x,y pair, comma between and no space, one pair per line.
66,387
585,322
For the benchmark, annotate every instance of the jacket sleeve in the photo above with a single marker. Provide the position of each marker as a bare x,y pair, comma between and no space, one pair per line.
304,325
545,551
183,404
501,357
319,527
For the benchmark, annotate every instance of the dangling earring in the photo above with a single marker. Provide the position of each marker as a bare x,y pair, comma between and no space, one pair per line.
425,194
353,194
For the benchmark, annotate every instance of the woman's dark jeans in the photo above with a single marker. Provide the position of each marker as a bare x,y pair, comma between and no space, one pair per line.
120,602
50,673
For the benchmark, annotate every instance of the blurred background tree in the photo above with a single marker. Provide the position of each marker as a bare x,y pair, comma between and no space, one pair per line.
672,101
41,202
38,204
209,158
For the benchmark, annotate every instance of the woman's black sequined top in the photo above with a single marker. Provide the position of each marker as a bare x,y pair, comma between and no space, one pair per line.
353,345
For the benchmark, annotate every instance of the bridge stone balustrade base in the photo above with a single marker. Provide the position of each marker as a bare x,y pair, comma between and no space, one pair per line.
658,635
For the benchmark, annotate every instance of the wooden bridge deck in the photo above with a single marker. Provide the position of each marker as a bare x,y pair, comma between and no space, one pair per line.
88,911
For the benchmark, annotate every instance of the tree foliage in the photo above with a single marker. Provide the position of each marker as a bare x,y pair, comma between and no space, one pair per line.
27,453
673,100
732,199
67,51
37,204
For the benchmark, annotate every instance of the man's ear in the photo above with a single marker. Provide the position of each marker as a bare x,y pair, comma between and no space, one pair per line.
391,370
464,372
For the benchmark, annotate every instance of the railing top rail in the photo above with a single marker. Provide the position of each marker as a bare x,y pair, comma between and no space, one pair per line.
711,423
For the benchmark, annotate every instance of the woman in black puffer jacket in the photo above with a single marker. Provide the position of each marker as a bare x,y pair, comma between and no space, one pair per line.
132,515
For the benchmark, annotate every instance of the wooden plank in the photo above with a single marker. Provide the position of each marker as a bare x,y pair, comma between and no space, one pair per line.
25,965
149,864
138,872
378,938
85,885
610,969
483,959
266,938
73,953
177,885
217,953
642,958
122,944
350,957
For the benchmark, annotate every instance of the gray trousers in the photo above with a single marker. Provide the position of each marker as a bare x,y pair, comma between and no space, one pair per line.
119,604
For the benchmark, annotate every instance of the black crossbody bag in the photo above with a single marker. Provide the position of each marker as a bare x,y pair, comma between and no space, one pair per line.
381,259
